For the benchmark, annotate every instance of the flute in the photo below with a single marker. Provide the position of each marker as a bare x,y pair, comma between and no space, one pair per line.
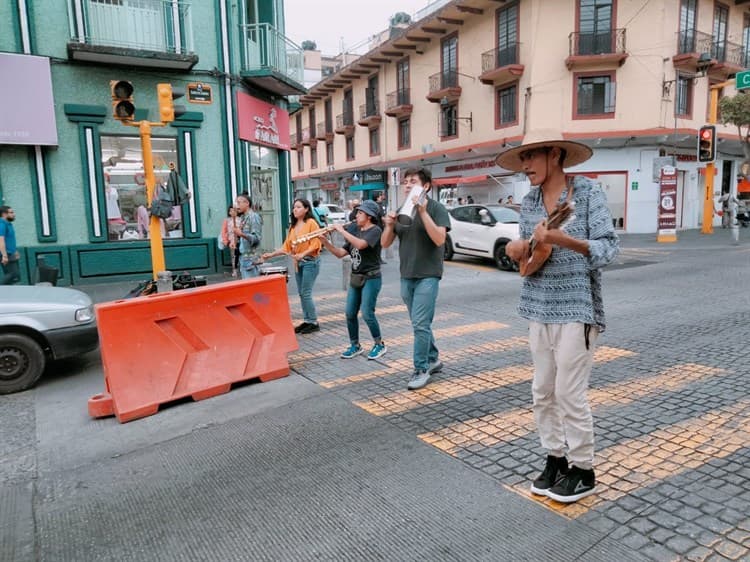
315,233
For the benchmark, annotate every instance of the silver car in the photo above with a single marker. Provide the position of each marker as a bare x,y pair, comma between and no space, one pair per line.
39,323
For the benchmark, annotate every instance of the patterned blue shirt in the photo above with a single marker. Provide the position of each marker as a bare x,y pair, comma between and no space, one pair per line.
568,288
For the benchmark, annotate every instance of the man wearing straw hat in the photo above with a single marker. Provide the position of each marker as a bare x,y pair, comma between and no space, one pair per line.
563,303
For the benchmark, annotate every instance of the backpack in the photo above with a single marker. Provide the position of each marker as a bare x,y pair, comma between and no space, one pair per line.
316,216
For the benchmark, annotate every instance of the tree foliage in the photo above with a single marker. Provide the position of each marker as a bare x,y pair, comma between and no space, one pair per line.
735,111
308,45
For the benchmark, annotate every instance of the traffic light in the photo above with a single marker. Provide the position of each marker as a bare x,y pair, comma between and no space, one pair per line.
707,144
123,108
168,111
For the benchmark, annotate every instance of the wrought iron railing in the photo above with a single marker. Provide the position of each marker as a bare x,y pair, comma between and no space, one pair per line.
369,109
320,129
443,79
609,42
397,98
344,120
692,41
305,135
153,25
499,57
267,48
728,53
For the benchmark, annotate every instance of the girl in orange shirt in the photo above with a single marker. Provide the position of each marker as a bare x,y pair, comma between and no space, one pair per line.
306,256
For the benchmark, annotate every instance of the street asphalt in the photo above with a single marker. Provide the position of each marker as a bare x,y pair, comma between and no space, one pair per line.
338,461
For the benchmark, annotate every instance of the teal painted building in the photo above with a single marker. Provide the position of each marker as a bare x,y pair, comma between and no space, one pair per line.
80,200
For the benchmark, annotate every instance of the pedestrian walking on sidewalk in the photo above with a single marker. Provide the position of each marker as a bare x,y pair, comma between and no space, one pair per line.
306,256
228,239
9,255
421,249
563,303
362,243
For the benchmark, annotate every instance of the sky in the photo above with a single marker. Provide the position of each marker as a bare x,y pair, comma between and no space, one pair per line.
327,21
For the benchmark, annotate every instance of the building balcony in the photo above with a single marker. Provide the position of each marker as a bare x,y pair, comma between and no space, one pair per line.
444,85
324,132
604,50
691,44
271,61
398,103
728,59
500,65
345,124
156,34
305,138
369,114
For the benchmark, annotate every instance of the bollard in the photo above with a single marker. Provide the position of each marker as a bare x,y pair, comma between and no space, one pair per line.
164,282
346,271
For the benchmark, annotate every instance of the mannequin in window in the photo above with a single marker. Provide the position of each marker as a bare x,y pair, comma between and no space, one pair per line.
116,224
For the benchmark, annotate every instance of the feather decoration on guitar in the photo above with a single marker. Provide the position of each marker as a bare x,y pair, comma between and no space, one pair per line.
537,253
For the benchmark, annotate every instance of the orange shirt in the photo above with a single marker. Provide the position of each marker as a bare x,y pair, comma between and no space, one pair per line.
310,226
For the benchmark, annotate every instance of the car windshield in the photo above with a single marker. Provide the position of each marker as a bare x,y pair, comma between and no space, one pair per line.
334,209
504,214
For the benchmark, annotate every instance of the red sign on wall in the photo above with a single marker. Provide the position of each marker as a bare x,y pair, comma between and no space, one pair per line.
262,123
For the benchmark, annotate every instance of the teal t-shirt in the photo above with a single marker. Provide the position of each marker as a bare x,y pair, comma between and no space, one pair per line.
7,231
420,257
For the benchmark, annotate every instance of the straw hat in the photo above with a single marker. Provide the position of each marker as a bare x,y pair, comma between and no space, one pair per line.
575,152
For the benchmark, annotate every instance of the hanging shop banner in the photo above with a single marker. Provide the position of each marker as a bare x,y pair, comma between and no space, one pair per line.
262,123
667,231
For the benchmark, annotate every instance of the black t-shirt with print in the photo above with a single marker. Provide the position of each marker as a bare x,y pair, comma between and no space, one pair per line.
367,260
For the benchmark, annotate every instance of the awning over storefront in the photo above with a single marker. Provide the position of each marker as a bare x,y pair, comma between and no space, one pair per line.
367,186
459,180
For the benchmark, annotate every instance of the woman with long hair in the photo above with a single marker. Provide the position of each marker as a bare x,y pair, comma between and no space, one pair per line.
362,243
229,239
306,256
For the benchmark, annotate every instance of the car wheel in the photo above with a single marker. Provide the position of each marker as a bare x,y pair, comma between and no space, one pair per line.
21,362
448,255
502,260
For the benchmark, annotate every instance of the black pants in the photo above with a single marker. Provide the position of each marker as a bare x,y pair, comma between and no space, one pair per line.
11,273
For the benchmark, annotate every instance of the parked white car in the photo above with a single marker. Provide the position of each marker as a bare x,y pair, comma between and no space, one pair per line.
335,213
40,323
483,231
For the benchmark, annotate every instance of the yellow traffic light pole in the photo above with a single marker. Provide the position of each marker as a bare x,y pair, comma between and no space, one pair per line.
123,110
708,201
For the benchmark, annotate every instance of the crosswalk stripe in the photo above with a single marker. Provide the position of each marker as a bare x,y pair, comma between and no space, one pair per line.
667,452
405,366
401,401
492,429
408,338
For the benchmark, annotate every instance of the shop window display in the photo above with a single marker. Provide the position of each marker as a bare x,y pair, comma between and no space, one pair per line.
125,187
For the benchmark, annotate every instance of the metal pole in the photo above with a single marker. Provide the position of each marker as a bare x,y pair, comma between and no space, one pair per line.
157,247
708,200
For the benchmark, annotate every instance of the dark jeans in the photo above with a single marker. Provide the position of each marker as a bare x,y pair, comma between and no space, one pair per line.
11,273
365,299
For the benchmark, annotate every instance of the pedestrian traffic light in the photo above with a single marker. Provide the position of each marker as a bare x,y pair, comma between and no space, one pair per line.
123,108
707,144
168,111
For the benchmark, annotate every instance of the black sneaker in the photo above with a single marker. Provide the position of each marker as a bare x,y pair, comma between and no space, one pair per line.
555,469
310,328
298,329
577,484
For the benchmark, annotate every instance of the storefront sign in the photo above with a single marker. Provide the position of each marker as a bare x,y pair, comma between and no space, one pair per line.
28,109
199,93
667,231
471,166
372,176
262,123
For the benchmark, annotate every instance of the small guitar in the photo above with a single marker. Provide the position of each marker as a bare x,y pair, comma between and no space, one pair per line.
537,253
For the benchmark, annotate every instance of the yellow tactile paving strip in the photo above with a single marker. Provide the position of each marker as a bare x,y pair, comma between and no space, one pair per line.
407,339
496,428
664,453
404,367
397,402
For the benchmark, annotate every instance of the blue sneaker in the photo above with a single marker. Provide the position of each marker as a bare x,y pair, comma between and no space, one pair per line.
378,350
353,351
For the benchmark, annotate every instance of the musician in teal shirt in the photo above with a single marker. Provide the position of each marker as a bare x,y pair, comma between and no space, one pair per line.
9,256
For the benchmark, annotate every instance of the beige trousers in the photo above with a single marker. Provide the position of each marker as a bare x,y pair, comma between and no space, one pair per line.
562,367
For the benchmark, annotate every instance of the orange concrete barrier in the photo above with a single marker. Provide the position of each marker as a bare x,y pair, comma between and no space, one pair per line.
194,342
